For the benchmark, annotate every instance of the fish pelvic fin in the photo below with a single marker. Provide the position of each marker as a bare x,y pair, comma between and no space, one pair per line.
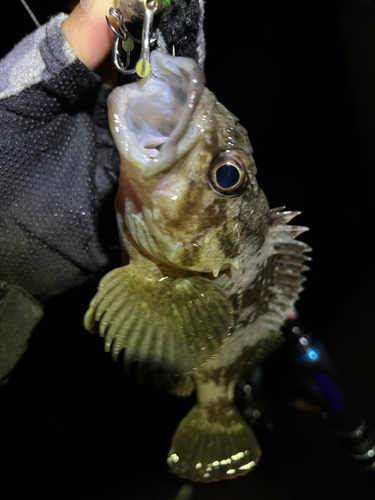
171,325
182,386
213,444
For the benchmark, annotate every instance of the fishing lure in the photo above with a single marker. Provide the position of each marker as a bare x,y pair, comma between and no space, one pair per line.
135,10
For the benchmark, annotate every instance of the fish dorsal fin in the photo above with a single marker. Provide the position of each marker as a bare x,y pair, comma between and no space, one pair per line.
282,275
172,324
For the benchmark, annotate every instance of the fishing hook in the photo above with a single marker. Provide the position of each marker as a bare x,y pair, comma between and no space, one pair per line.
124,37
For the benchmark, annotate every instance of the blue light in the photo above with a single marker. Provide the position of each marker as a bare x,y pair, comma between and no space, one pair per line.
312,354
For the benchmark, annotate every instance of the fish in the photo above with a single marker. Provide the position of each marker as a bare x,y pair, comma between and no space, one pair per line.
211,272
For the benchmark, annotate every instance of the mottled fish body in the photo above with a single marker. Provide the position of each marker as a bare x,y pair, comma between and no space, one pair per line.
212,273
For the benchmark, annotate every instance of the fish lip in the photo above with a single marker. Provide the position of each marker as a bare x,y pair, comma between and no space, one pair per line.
181,82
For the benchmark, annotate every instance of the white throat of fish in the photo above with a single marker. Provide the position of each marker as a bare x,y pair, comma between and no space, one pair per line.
152,120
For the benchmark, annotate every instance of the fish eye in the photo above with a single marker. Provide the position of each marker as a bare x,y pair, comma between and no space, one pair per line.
227,175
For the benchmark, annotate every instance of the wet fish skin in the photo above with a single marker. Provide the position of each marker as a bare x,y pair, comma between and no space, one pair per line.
212,273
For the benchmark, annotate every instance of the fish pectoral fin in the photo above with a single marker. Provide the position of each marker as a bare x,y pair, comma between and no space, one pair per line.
213,445
173,324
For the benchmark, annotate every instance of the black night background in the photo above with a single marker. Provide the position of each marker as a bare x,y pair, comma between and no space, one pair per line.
301,78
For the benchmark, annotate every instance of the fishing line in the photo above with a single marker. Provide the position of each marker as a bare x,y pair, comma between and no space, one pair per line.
31,14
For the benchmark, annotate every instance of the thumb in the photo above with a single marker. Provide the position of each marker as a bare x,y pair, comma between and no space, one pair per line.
87,32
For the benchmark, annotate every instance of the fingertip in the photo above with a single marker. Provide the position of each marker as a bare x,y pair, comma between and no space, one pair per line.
86,4
87,32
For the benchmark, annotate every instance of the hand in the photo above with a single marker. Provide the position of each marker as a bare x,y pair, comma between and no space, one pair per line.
55,234
87,32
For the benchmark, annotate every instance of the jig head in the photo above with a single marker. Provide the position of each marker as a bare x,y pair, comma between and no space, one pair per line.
135,10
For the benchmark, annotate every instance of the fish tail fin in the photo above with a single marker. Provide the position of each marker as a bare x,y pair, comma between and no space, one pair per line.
213,444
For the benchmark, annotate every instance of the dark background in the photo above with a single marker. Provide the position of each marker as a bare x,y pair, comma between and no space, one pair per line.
302,81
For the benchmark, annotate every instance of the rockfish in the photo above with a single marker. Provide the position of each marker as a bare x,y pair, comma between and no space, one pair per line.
212,272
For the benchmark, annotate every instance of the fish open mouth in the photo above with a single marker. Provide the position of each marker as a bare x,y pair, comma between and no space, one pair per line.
152,120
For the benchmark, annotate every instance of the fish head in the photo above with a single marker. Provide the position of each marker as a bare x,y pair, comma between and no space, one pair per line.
188,192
